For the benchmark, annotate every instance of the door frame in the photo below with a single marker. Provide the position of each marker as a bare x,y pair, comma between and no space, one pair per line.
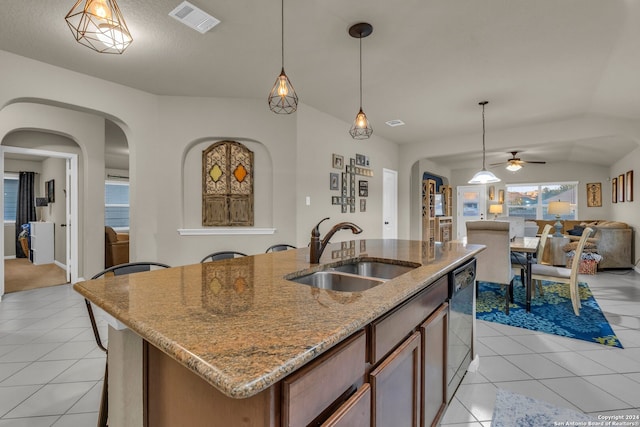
72,257
389,204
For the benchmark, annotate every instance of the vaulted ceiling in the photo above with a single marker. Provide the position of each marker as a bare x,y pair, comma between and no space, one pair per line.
428,62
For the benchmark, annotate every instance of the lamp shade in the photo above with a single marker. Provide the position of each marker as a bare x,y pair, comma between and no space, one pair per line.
484,177
559,208
495,209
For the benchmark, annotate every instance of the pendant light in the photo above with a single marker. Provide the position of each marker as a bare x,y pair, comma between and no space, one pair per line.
484,176
99,25
283,98
361,129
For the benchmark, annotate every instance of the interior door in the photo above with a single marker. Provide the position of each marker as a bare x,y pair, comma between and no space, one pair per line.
389,204
67,201
471,206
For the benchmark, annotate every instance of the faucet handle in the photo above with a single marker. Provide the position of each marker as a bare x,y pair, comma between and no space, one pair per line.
316,229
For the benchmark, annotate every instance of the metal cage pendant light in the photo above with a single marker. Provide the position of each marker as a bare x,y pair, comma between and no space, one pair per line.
283,98
361,128
483,176
99,25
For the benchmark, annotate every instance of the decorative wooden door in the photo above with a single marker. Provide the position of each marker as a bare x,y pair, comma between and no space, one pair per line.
227,185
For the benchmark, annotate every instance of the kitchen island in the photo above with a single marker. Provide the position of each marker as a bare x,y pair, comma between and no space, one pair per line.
233,342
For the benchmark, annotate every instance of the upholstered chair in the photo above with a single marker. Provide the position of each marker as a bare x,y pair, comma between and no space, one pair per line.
116,247
494,263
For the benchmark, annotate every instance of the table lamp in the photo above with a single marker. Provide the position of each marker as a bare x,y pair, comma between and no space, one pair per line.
558,208
496,210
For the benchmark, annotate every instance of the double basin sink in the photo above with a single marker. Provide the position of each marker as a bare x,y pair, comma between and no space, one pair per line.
354,275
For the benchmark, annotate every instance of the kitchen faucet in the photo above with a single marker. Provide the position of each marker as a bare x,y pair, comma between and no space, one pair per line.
316,247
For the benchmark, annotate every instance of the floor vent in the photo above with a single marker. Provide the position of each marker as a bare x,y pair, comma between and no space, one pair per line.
193,17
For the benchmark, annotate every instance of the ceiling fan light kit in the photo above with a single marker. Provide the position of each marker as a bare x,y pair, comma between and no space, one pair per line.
483,176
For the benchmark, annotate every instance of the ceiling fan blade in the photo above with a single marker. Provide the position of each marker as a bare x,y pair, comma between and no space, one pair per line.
499,163
539,163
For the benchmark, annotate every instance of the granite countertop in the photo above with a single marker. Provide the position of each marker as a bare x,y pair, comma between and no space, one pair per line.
242,327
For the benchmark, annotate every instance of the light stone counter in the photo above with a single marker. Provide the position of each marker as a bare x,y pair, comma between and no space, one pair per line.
242,327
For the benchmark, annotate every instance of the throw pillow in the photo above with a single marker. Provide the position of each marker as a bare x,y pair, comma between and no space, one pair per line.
576,231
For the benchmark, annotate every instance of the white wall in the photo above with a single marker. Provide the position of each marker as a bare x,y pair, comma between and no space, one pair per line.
318,137
54,168
627,211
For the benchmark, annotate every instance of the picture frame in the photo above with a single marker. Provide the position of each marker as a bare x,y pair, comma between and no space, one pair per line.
629,186
594,194
51,193
363,188
360,159
501,196
337,161
621,188
614,190
334,181
492,192
363,205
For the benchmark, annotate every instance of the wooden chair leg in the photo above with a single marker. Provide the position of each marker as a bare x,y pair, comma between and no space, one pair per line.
104,401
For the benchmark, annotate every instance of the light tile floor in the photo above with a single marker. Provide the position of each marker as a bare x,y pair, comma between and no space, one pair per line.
51,368
565,372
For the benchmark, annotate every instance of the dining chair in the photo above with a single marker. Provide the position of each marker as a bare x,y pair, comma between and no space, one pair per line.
520,259
569,276
494,263
116,270
216,256
279,247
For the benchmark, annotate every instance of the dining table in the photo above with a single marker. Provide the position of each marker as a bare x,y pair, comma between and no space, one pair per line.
527,246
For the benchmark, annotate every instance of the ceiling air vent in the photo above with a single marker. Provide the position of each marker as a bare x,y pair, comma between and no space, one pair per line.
394,123
193,17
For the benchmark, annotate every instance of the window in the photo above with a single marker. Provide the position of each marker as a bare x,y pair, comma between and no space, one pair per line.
116,204
10,197
531,200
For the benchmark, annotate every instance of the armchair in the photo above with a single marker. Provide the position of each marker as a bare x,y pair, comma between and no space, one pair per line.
116,247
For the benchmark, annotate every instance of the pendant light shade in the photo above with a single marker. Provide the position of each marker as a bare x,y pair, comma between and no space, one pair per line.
283,98
361,128
483,176
99,25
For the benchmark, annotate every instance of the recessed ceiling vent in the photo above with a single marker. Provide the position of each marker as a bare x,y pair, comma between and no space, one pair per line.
394,123
193,17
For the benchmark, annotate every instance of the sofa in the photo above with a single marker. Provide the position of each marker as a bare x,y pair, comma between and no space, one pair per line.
116,247
612,238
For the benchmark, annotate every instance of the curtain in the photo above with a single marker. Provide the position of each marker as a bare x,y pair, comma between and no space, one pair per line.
26,210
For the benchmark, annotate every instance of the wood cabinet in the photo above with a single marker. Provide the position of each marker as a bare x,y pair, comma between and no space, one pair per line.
429,217
447,199
444,228
434,363
393,373
42,246
308,392
395,387
355,412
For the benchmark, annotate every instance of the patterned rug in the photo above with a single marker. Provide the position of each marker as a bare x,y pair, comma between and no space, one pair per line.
551,313
513,409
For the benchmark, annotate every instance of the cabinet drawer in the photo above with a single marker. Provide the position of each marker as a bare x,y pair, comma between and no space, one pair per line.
388,331
355,412
307,392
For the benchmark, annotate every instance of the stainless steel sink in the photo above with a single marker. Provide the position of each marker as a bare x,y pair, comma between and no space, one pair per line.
377,269
336,281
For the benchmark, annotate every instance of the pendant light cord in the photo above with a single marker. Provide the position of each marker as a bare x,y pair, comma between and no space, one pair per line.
361,71
483,103
282,30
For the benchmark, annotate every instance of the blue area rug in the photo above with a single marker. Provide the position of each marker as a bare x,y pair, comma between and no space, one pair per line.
551,313
513,409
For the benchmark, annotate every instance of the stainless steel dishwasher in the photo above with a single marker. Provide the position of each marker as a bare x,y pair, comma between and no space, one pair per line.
459,342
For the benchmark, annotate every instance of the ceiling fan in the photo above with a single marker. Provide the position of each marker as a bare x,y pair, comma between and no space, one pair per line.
515,163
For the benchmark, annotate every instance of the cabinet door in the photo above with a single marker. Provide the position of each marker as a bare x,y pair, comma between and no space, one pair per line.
356,412
434,365
395,387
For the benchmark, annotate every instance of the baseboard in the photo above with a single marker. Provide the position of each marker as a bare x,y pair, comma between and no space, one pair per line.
61,265
10,257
